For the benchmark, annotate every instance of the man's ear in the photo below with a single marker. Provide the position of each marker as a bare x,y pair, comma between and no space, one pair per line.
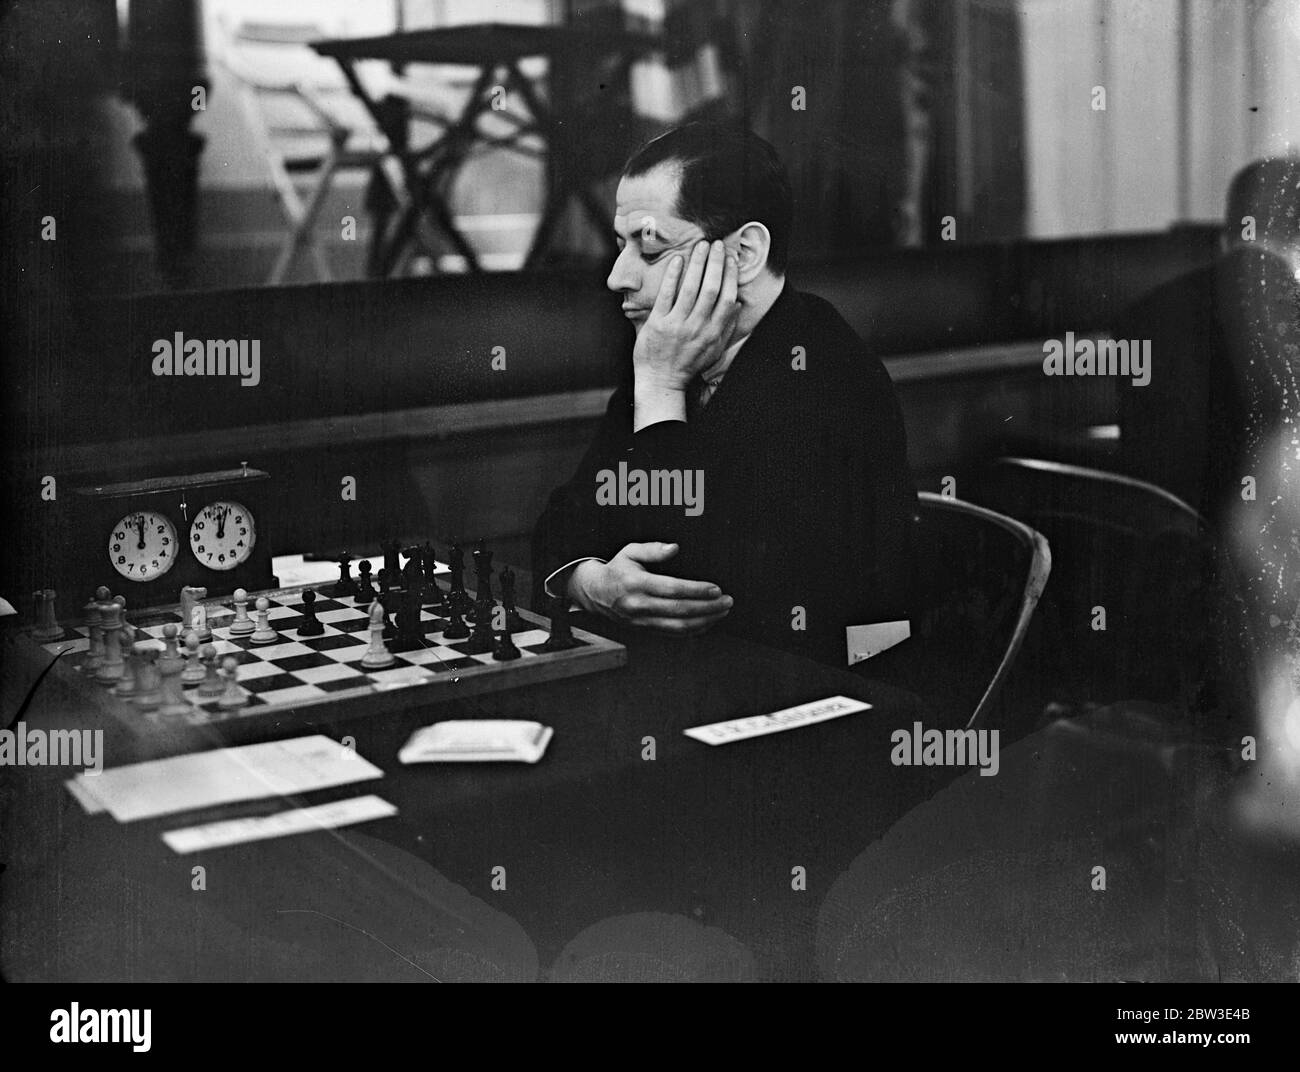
751,244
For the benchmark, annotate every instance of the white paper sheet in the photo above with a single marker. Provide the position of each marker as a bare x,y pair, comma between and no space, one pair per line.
226,775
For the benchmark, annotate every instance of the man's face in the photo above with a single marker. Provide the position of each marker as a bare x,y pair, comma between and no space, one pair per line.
649,233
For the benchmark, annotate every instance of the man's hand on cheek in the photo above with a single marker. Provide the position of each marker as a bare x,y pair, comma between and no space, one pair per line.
623,589
692,319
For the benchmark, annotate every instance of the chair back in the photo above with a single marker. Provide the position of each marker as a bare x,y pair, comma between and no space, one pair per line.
1129,613
978,578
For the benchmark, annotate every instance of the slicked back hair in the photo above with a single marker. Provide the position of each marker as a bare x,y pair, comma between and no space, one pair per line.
729,177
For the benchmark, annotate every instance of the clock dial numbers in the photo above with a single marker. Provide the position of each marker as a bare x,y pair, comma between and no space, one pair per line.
142,545
222,535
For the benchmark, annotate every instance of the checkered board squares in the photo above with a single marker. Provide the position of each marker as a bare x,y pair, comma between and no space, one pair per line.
298,671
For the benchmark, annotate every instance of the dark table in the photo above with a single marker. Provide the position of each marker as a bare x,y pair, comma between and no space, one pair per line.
496,50
684,865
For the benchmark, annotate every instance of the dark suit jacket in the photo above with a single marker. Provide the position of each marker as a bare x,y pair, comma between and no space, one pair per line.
807,493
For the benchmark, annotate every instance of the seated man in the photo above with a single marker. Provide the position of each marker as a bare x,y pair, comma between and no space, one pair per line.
751,469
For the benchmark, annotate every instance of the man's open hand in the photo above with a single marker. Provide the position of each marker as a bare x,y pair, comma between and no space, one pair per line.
624,590
690,325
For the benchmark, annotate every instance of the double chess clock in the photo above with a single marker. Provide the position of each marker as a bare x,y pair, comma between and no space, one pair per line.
151,538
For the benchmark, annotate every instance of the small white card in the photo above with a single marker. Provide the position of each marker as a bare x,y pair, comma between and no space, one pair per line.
741,729
477,740
864,641
261,827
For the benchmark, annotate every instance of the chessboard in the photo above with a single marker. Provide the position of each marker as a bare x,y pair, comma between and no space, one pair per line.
296,675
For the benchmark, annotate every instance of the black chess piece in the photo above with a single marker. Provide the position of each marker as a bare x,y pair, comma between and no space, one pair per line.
457,597
483,572
413,572
513,621
391,563
386,587
365,589
482,640
505,649
561,638
310,625
346,586
456,627
432,593
410,634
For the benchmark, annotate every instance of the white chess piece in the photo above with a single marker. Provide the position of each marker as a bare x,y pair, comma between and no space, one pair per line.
148,679
243,624
194,615
377,655
193,672
111,666
212,684
264,634
173,694
235,695
94,628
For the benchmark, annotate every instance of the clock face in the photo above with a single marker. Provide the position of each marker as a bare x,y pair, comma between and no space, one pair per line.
143,545
222,536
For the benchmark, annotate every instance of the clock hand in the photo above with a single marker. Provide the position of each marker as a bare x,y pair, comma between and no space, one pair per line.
221,523
139,525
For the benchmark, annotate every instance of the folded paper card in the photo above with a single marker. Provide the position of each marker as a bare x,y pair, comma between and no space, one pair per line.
477,740
864,641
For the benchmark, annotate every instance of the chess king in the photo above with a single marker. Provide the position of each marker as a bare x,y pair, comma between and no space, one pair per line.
763,389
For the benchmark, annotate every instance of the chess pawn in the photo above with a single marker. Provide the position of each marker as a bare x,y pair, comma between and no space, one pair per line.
505,650
173,694
482,640
264,634
346,586
310,625
243,624
365,589
129,682
212,684
561,638
148,679
456,628
193,672
234,695
171,650
377,655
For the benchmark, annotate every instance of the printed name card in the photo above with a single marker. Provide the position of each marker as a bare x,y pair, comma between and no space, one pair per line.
296,821
791,718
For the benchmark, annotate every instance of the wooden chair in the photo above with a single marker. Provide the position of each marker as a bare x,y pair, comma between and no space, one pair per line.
1138,586
978,577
